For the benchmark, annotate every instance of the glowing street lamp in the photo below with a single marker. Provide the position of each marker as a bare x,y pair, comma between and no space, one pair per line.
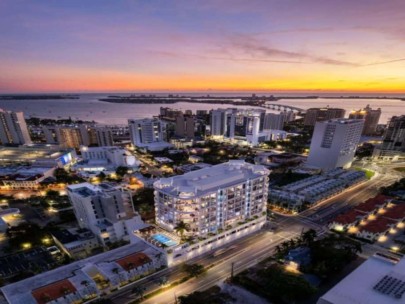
26,245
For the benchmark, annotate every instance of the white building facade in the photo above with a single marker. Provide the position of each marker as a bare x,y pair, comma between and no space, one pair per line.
104,136
148,133
334,143
241,126
212,199
105,210
13,129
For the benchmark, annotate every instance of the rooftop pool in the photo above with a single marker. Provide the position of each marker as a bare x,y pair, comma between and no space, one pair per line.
164,240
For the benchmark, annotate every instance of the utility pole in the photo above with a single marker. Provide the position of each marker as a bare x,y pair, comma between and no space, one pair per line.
232,266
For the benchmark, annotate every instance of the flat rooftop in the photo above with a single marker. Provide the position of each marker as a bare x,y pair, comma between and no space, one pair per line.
20,292
343,121
203,181
30,153
87,189
376,281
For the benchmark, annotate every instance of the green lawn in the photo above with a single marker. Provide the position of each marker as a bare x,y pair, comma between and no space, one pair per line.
369,173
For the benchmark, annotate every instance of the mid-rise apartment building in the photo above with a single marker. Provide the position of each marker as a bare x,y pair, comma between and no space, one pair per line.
334,143
13,128
212,199
313,115
104,136
148,133
68,136
239,125
371,118
105,210
276,121
185,126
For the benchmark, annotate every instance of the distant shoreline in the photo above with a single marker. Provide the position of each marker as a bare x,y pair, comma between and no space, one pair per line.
233,100
37,97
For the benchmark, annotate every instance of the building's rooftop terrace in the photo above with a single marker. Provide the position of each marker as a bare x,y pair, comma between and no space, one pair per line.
200,182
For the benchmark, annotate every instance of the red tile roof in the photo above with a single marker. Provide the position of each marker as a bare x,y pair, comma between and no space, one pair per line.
135,260
379,225
372,203
396,212
53,291
348,217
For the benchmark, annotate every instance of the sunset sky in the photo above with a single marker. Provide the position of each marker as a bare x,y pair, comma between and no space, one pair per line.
129,45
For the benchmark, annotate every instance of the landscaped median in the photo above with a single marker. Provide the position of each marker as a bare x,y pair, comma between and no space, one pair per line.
369,173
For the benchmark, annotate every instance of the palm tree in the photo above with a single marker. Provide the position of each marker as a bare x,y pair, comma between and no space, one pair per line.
285,246
46,298
131,267
162,281
308,237
158,256
181,227
86,284
66,292
139,291
291,243
116,271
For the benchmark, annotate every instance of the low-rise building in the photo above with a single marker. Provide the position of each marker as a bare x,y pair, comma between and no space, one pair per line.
374,229
38,155
314,189
347,220
5,215
76,243
372,219
98,159
378,280
86,279
23,177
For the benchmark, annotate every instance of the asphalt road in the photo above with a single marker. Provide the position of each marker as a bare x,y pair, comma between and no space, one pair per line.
249,250
244,252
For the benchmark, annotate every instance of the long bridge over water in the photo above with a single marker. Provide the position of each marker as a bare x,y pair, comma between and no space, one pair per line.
281,107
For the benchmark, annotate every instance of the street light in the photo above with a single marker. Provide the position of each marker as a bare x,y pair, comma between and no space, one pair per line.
26,245
46,240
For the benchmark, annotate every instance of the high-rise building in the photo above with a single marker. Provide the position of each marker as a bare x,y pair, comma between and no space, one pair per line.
104,136
314,115
334,143
50,134
241,126
212,199
91,133
148,133
393,144
371,118
185,126
70,136
169,113
13,129
276,121
103,209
